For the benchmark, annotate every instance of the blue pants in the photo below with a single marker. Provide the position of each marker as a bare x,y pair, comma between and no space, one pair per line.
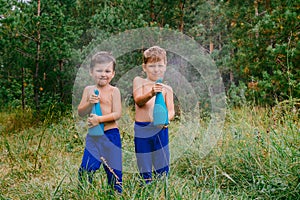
104,149
152,149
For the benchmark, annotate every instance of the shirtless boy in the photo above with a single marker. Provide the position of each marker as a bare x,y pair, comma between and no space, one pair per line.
151,142
105,148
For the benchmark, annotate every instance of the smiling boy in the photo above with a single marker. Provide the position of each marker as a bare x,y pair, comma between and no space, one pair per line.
104,148
151,142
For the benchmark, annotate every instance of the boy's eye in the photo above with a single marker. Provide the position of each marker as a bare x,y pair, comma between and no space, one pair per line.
159,66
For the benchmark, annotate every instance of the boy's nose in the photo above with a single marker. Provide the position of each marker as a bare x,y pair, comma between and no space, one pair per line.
102,73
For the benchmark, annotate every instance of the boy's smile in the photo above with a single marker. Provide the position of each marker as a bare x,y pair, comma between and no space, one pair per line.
155,70
102,74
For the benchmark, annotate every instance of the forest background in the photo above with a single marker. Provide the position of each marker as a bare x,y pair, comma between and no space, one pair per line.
254,44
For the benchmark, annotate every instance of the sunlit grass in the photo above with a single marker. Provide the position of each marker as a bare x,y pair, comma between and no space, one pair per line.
257,157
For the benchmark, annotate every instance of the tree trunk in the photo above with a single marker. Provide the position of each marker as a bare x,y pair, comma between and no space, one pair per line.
220,41
211,26
181,7
23,89
36,75
211,44
268,5
60,80
152,15
231,76
256,15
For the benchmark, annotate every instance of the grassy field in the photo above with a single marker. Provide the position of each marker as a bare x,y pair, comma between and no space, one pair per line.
257,157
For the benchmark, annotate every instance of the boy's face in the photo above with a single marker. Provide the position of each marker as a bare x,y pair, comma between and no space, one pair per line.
102,73
155,70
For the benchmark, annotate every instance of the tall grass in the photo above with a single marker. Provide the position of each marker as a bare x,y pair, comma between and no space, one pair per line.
258,157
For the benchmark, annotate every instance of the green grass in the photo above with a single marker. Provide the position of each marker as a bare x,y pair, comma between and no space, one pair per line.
257,157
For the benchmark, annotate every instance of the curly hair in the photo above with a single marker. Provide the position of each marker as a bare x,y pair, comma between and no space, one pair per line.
154,54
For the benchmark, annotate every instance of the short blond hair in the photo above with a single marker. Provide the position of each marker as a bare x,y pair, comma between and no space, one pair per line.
154,54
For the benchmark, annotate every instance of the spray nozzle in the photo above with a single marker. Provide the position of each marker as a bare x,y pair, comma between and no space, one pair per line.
159,80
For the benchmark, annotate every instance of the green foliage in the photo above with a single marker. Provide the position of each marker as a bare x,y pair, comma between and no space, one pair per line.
249,42
236,94
265,48
45,73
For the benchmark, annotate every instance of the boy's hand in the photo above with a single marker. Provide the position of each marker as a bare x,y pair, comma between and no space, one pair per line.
94,99
158,87
93,120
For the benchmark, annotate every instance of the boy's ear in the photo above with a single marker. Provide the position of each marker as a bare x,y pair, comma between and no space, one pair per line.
91,72
144,66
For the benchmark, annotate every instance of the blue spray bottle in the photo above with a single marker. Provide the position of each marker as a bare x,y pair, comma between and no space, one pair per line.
160,111
99,129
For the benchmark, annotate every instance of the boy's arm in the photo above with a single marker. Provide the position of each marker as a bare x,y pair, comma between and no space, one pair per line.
116,109
139,98
86,104
170,103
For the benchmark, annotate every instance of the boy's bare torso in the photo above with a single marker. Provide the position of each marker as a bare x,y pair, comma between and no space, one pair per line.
145,113
106,103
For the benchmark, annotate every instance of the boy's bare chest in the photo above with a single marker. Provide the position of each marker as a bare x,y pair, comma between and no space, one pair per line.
106,99
106,103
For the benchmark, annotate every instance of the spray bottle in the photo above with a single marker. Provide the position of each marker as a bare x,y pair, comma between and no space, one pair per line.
160,111
99,129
